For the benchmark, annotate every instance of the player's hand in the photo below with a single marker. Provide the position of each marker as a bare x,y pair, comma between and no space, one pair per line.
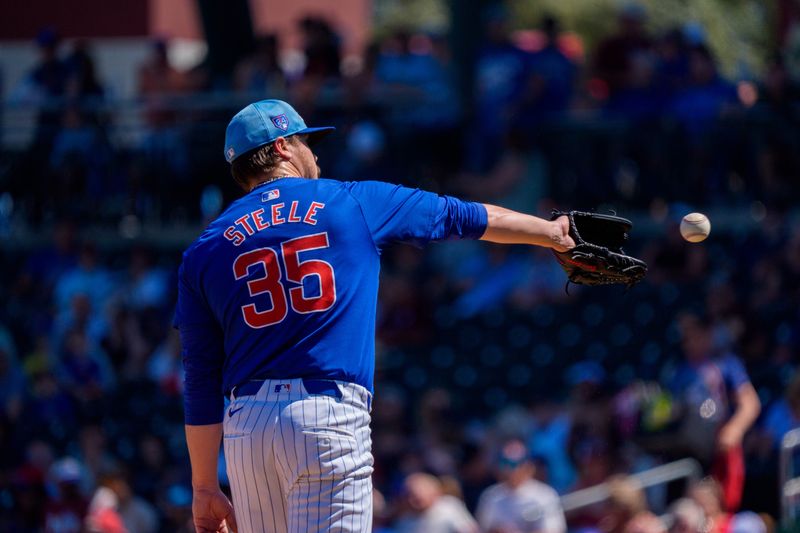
729,437
212,512
561,239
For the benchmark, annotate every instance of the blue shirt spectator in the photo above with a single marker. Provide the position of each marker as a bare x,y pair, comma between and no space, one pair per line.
48,79
87,278
501,74
551,77
784,415
716,378
698,105
421,80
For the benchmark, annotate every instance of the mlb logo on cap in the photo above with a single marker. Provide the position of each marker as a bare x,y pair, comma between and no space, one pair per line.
260,123
281,122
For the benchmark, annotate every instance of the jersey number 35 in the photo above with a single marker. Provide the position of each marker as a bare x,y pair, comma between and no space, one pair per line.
272,282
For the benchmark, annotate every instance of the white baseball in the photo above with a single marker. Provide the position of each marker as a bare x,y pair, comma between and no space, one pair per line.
695,227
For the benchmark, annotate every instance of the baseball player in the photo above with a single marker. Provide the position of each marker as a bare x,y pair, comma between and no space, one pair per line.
276,311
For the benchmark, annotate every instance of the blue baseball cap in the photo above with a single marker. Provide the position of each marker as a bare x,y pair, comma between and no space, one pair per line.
261,123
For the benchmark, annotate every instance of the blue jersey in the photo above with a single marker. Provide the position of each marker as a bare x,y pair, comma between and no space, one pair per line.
284,283
718,378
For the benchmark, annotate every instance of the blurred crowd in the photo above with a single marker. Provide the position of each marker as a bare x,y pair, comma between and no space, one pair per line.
542,117
496,392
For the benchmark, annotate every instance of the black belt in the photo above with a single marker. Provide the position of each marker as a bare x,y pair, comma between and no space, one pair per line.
326,387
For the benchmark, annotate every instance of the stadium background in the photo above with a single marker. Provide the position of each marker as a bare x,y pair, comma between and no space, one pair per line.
111,161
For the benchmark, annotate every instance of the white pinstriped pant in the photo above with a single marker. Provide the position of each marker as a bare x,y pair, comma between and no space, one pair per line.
300,462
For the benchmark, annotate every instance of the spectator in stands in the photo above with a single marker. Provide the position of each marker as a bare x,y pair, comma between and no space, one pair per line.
67,508
778,148
80,317
45,85
391,433
594,464
551,78
137,515
699,110
519,503
367,153
549,443
48,264
708,495
152,462
419,81
321,46
48,79
80,158
488,278
475,472
176,504
157,77
125,345
641,98
437,428
49,411
94,454
686,516
627,510
82,84
12,384
165,366
779,90
25,488
81,141
160,84
750,522
673,61
591,439
719,400
704,98
783,416
501,75
84,368
260,73
516,180
429,510
89,278
616,54
103,515
146,284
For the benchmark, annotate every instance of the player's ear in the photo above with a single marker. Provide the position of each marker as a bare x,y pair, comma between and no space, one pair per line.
282,147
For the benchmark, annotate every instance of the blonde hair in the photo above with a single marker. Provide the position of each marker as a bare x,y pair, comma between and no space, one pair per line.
626,493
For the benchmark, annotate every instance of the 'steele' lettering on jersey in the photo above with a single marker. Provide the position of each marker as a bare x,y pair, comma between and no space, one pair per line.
259,220
234,235
293,213
276,216
242,221
312,212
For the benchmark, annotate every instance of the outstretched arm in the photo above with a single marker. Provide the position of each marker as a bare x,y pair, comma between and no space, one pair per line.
748,407
211,509
505,226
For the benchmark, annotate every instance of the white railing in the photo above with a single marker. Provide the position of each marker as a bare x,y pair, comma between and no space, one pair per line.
684,468
790,480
